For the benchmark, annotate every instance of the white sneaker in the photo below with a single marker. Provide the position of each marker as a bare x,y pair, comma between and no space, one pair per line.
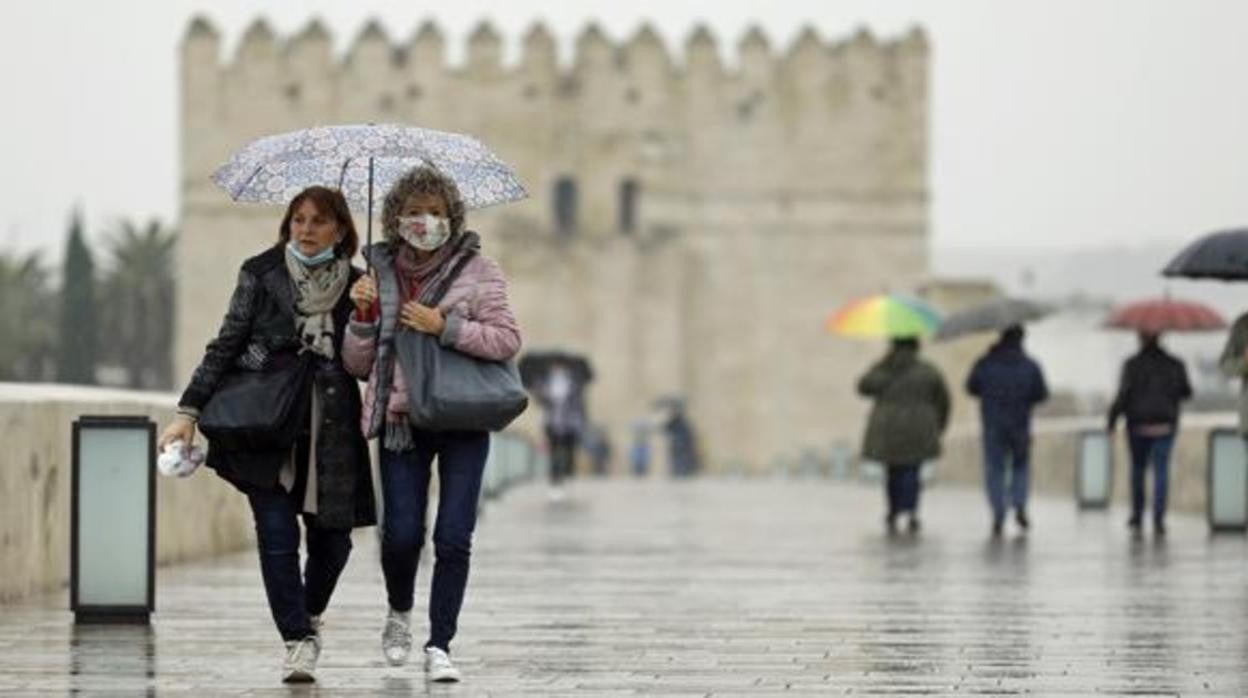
438,666
396,638
315,623
556,494
301,657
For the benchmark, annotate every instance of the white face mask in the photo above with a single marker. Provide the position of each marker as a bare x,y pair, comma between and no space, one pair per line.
425,232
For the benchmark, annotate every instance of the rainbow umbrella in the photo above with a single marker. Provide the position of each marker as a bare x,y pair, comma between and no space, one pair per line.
884,315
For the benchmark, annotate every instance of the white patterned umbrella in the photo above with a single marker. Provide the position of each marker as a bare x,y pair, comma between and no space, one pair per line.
363,161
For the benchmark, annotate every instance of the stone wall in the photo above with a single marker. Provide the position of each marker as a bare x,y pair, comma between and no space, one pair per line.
200,516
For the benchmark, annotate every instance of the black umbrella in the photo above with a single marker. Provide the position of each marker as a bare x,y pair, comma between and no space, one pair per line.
536,365
1222,255
992,316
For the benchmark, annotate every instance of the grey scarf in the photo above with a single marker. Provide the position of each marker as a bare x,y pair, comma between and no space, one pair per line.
317,290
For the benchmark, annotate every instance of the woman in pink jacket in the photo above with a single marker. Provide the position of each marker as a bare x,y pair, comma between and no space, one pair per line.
425,240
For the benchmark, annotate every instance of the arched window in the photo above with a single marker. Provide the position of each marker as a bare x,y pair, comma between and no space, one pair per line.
565,206
629,189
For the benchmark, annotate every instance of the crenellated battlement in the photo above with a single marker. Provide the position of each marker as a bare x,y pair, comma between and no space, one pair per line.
644,53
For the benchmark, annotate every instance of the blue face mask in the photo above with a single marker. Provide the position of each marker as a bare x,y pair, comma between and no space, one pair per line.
319,258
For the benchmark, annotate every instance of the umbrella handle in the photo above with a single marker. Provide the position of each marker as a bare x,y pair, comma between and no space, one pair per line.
368,263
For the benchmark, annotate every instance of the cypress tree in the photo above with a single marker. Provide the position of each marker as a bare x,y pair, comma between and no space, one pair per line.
76,342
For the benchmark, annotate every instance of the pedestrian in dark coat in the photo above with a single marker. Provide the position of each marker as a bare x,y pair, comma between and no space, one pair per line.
1152,386
910,413
292,300
1009,384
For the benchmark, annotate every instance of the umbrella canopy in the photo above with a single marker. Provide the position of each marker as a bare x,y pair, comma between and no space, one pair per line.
534,366
884,315
992,316
363,161
1159,315
1222,255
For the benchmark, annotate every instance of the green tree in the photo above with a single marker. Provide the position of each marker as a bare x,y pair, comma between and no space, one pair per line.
138,308
27,318
76,341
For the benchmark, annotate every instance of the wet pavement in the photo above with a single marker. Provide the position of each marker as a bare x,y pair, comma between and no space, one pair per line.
715,587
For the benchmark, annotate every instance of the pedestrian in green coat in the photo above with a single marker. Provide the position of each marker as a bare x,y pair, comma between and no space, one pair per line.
1234,364
910,413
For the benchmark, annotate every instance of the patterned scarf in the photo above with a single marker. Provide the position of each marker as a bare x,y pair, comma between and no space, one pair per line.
317,290
394,273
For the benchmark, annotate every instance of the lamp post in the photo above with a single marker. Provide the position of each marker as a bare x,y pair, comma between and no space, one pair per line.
1227,484
1094,469
113,527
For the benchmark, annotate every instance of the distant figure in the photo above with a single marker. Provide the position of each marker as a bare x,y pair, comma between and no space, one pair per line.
1009,384
564,403
597,445
682,442
639,453
1234,364
910,413
1153,384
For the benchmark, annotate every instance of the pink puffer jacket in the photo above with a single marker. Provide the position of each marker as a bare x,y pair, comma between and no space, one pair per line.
479,322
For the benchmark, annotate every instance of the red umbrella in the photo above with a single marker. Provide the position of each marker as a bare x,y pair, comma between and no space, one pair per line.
1157,315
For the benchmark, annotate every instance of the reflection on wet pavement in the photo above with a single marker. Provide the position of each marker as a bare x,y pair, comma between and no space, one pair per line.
731,587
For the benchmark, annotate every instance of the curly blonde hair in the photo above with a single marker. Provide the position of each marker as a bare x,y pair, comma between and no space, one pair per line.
423,179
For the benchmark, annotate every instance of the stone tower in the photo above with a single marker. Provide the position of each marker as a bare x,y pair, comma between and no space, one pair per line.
690,227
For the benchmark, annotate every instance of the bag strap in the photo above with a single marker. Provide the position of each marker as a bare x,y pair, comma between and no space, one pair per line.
450,278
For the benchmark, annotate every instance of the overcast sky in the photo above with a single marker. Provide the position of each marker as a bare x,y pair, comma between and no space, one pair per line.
1054,122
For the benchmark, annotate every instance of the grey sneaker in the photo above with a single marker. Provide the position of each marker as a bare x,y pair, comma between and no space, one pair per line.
396,638
438,666
301,657
316,624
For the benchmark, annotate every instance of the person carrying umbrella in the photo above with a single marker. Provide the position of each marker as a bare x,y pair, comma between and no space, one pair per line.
1152,386
1009,384
1150,390
426,244
290,303
909,414
1234,364
910,407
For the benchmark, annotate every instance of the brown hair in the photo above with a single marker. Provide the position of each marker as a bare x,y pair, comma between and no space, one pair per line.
328,202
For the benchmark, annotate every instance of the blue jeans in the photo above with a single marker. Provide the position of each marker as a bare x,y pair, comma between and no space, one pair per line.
902,488
405,490
1143,450
292,597
1006,449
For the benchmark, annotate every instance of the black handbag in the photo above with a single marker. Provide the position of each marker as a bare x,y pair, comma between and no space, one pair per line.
448,390
260,410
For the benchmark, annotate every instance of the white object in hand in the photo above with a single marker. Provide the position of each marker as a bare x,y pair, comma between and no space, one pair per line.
176,460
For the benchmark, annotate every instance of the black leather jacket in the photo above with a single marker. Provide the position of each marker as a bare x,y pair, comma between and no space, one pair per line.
1152,386
259,323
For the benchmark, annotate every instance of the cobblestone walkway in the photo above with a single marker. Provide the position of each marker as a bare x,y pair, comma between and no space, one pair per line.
716,587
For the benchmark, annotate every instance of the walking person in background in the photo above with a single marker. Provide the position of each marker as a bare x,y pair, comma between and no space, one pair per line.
1152,386
562,398
1234,364
639,453
909,414
290,303
426,245
1009,385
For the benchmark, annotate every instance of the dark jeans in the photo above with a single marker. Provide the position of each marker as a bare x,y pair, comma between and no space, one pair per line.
562,455
292,597
405,490
902,488
1143,450
1006,449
